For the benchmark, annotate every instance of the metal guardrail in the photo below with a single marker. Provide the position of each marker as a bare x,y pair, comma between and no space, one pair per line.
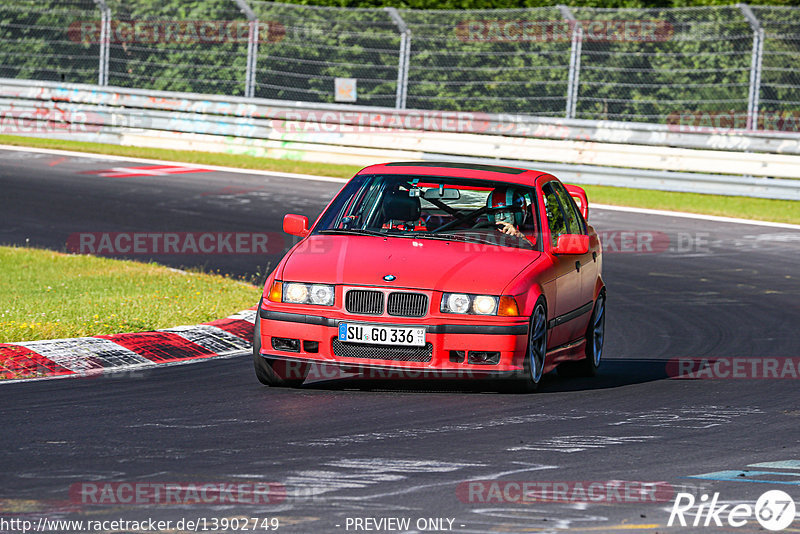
514,125
618,154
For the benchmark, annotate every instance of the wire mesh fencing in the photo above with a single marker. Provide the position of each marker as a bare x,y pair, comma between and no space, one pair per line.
497,61
197,47
39,41
662,64
312,46
694,67
779,73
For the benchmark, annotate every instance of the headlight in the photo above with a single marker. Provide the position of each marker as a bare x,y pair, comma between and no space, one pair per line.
484,305
295,293
321,295
299,293
473,304
455,303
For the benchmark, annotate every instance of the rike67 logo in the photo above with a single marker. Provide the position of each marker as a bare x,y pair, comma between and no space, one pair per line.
774,510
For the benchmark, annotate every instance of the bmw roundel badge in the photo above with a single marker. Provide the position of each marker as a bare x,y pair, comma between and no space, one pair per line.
389,277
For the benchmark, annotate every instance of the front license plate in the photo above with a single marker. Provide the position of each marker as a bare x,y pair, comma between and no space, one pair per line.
409,336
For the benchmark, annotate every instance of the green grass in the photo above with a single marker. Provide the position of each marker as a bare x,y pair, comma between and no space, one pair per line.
765,209
48,295
787,211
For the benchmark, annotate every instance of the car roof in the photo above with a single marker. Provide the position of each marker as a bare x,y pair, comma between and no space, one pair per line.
497,173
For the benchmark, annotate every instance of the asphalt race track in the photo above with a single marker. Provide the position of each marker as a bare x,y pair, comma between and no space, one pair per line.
346,449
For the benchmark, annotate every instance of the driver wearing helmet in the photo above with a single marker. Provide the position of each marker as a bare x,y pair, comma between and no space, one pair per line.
509,210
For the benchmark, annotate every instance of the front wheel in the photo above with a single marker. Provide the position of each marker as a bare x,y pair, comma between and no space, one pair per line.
537,349
276,373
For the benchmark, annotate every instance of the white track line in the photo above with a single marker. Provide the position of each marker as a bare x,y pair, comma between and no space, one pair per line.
92,155
312,177
701,216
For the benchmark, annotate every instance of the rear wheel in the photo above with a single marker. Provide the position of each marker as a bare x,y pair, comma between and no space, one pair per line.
271,372
595,337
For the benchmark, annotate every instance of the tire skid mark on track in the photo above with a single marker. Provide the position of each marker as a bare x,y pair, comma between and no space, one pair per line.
465,477
413,433
579,443
92,356
362,473
697,417
362,484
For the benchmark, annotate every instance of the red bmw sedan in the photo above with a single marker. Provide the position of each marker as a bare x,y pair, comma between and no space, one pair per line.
445,269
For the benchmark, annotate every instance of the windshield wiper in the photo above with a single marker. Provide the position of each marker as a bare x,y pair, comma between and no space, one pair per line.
352,231
453,237
500,240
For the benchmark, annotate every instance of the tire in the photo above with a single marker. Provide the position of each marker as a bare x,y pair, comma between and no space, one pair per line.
536,353
595,338
271,372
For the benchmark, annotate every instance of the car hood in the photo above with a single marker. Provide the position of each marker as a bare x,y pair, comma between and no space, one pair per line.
415,263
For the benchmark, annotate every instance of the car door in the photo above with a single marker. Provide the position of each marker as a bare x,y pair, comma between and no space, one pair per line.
568,277
585,264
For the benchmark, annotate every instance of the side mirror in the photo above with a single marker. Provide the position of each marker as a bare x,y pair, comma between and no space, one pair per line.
572,244
296,225
580,198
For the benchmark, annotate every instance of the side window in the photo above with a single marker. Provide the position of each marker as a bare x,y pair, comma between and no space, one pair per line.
574,219
555,216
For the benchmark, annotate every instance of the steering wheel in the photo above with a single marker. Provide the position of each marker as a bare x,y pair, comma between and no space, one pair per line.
465,218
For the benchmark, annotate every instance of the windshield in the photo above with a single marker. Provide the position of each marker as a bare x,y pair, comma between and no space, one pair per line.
425,207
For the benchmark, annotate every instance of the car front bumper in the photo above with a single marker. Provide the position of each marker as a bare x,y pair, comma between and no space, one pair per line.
452,349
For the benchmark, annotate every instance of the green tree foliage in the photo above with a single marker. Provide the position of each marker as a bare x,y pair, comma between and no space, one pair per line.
698,59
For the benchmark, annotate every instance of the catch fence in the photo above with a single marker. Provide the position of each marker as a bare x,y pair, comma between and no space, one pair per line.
710,67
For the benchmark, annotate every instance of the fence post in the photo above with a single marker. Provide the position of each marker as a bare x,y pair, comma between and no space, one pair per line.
755,66
252,48
573,79
404,59
105,41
